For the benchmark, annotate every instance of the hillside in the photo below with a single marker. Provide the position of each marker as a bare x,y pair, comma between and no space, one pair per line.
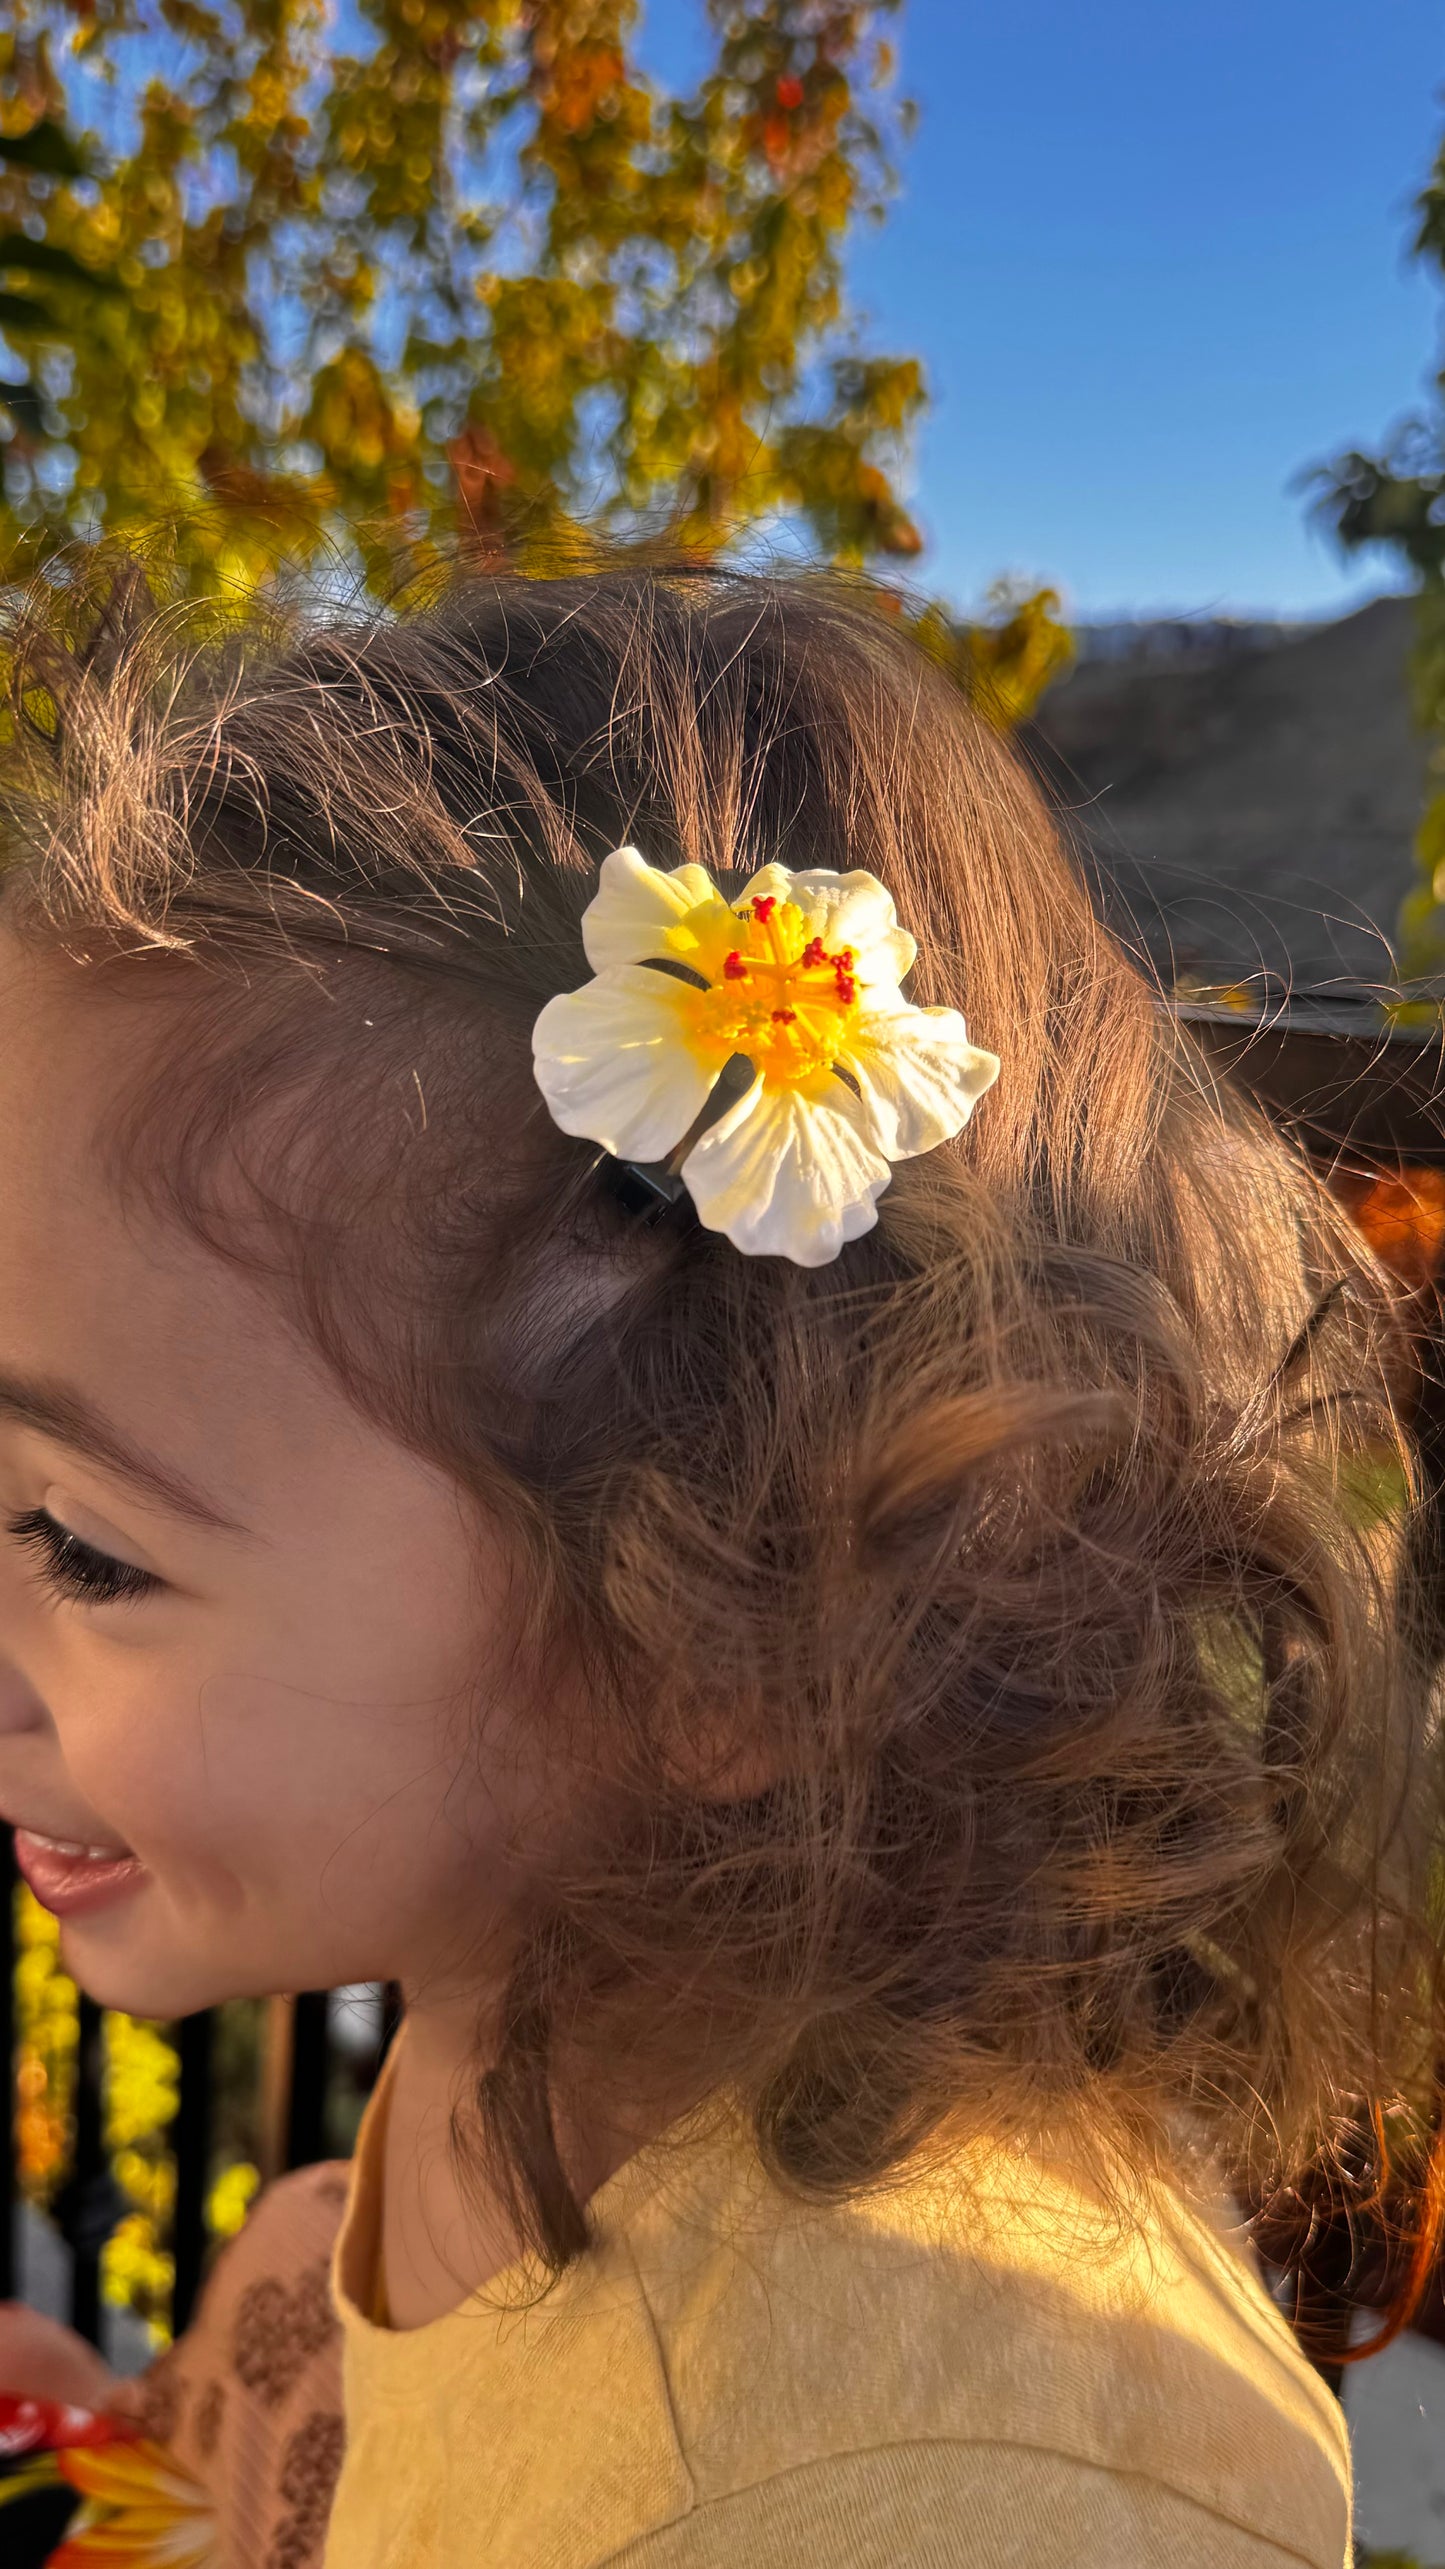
1251,812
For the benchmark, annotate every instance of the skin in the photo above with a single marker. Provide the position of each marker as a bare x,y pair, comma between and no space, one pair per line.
293,1731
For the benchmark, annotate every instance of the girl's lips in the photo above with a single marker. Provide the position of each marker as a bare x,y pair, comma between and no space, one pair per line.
67,1878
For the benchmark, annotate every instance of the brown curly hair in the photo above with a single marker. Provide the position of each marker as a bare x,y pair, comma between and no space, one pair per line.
1043,1552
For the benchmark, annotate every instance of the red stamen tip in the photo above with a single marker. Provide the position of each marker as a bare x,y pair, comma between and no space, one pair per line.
814,952
846,987
784,1016
764,906
734,968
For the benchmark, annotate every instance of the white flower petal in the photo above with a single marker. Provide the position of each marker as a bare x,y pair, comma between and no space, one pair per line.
772,881
635,904
612,1062
857,910
788,1172
920,1076
882,963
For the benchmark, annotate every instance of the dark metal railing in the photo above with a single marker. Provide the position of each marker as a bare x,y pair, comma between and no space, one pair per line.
89,2204
9,2188
1328,1065
191,2141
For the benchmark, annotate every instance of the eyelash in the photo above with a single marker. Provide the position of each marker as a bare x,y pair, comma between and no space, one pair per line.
74,1569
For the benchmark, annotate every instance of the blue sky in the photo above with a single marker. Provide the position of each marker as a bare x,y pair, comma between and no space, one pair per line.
1151,253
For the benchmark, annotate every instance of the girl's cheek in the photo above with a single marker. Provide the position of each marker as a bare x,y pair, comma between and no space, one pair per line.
143,1770
138,1756
144,1799
240,1790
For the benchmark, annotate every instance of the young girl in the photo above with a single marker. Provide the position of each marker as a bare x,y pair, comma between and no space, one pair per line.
643,1387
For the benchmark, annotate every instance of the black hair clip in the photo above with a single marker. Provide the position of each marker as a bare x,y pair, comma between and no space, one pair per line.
647,1189
651,1189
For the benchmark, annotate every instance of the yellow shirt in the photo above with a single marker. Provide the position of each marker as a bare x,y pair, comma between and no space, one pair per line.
957,2371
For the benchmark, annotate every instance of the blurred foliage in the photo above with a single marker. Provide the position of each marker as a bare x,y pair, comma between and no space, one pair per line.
45,2071
412,282
1006,662
142,2080
447,269
1397,499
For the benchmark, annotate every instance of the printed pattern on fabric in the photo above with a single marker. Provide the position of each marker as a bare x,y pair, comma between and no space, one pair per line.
310,2468
209,2413
244,2411
279,2331
159,2397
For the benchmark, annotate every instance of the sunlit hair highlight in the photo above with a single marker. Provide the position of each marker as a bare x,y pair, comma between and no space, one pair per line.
999,1674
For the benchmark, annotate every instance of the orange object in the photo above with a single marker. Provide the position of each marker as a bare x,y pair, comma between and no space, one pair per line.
141,2507
1402,1214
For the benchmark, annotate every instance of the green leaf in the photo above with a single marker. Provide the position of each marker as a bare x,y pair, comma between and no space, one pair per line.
453,278
47,147
1393,504
44,258
20,312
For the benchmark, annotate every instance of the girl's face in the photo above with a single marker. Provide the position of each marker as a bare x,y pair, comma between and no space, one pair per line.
242,1632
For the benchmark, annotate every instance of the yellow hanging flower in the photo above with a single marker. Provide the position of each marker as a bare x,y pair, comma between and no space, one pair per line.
802,977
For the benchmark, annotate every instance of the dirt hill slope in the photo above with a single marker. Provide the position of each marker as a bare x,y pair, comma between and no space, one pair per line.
1255,812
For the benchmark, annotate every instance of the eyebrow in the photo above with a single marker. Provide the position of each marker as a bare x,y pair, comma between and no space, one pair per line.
72,1420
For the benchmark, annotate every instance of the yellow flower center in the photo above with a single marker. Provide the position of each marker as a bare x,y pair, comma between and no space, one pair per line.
775,993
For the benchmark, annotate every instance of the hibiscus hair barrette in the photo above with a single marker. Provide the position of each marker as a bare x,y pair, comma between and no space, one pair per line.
759,1054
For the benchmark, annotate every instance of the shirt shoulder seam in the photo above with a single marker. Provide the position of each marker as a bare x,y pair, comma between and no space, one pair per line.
962,2444
659,2357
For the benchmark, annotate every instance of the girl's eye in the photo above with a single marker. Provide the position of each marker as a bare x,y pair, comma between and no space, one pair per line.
75,1569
